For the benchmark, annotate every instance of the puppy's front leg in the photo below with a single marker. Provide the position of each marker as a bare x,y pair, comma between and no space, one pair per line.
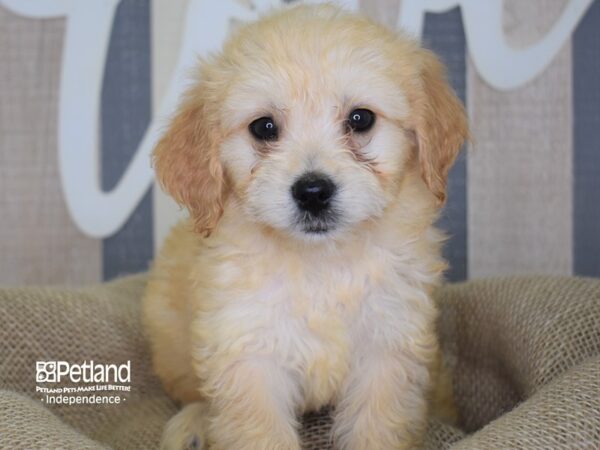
384,403
253,405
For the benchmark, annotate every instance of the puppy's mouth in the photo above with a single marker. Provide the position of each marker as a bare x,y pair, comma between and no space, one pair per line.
320,225
316,229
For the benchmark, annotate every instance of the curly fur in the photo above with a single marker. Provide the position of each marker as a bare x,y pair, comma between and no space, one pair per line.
254,322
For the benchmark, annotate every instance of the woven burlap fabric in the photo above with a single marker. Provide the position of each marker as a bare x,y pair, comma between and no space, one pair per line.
524,354
99,323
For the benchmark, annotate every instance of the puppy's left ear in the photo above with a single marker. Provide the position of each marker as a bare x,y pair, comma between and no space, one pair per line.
187,163
441,125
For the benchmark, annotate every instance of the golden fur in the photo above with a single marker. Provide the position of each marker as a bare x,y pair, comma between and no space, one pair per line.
253,322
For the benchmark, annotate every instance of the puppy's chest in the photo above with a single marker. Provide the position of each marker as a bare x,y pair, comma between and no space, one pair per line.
312,318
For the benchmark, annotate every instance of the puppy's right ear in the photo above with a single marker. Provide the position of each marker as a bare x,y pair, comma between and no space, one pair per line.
441,125
187,163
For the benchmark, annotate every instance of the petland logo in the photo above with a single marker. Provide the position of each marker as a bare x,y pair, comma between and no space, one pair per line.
88,372
90,382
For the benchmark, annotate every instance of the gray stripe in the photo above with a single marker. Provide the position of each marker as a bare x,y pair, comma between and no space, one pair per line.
126,111
444,34
586,137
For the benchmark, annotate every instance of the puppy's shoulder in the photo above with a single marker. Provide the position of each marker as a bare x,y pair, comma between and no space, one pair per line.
181,244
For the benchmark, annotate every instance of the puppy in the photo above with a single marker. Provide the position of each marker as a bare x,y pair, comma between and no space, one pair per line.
312,155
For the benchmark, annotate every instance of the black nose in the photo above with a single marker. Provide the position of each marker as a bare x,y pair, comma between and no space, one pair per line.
313,192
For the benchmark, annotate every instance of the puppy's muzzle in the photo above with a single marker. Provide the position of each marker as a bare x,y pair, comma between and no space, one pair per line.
313,192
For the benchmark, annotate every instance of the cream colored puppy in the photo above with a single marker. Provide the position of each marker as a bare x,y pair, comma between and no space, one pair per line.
312,155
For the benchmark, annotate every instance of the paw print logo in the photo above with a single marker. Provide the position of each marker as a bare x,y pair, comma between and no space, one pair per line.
45,371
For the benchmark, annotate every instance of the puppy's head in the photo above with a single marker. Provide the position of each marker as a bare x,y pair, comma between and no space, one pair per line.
311,118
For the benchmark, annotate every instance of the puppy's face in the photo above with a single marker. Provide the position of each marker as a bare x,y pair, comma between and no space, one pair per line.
311,119
316,143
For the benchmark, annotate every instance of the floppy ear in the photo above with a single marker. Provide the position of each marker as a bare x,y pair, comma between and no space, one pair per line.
187,164
441,125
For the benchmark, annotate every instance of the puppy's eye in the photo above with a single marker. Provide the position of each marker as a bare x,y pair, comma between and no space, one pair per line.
361,120
264,129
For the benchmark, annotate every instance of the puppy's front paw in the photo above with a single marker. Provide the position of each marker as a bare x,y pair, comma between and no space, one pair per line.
186,430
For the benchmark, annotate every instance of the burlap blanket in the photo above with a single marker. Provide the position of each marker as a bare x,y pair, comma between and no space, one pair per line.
525,355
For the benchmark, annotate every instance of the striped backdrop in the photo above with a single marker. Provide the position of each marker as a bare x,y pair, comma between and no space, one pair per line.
524,198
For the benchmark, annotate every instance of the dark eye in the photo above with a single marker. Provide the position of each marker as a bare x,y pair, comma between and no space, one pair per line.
264,129
361,120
